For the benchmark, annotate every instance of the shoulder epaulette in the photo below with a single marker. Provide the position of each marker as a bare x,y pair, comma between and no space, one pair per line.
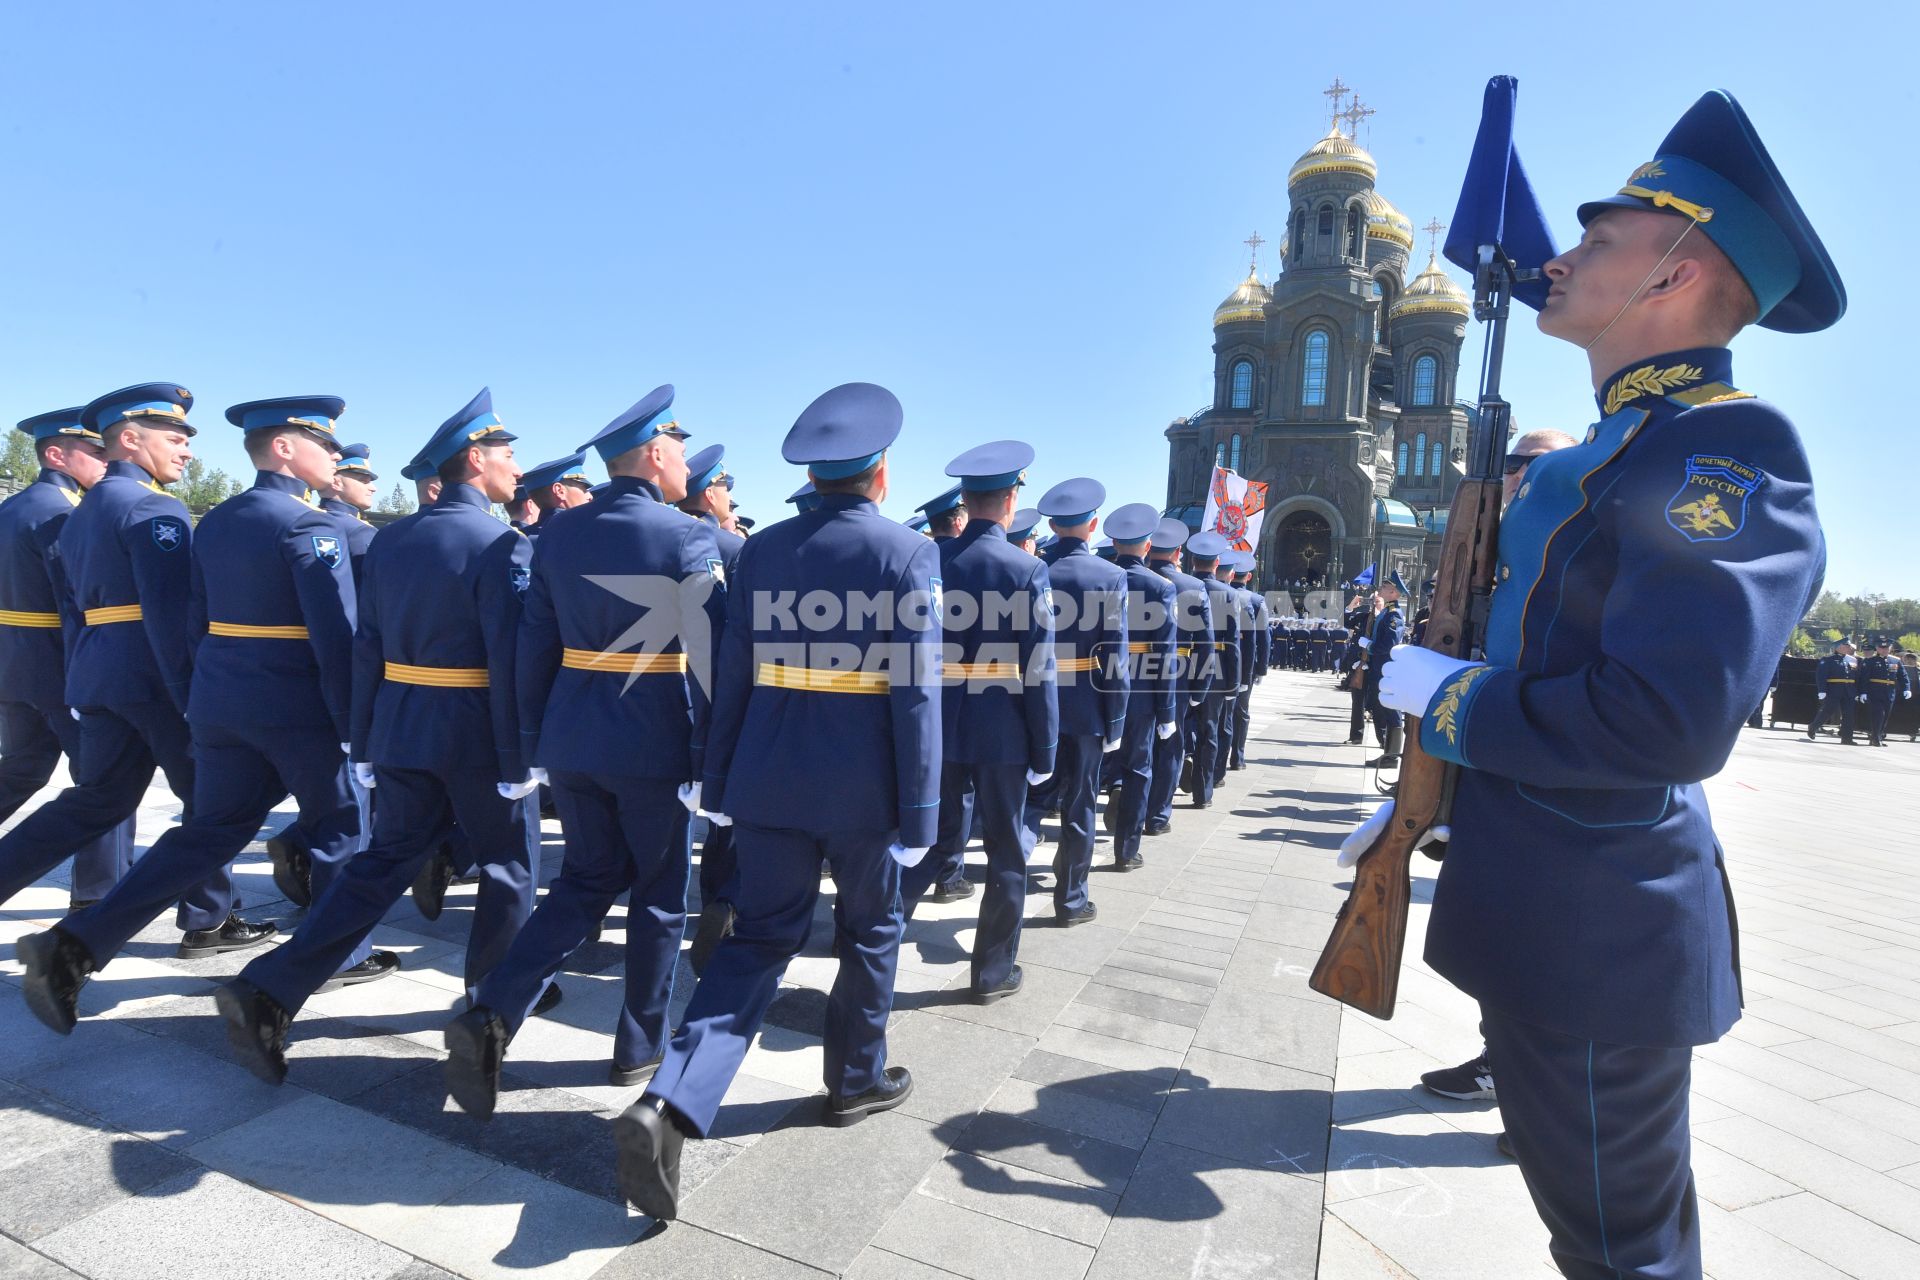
1708,393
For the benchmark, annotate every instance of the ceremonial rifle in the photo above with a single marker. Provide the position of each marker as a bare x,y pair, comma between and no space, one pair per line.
1360,964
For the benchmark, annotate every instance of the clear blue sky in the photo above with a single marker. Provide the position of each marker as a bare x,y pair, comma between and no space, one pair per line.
1019,217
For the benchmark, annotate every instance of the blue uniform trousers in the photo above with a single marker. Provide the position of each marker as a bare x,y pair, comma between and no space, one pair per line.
1601,1134
622,834
773,904
947,859
1000,797
1827,705
411,813
1040,801
1169,755
1133,763
1208,764
1242,724
1385,718
241,774
1223,734
119,748
1878,709
1077,771
31,741
717,865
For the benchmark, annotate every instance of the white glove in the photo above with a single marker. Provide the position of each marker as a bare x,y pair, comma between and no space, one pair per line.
1408,681
1113,745
1362,837
74,712
1365,642
1164,730
1862,698
718,819
1194,702
363,774
536,778
907,857
1905,694
689,794
1035,779
346,748
1821,696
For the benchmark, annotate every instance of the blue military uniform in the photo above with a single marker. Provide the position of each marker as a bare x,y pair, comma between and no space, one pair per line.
1253,656
1204,730
273,607
1882,682
1584,899
1153,685
434,714
949,856
129,660
36,725
355,460
1195,652
1835,679
1000,714
1090,640
1389,629
536,480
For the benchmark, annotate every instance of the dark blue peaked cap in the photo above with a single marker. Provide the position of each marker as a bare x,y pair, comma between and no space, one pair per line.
1170,534
1073,501
1206,545
1497,205
999,465
1399,583
476,423
61,422
147,404
1712,167
314,413
572,467
650,416
941,505
704,469
1025,521
806,497
417,470
844,431
356,458
916,522
1134,522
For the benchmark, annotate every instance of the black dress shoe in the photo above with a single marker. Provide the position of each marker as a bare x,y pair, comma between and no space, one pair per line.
1130,862
79,904
1504,1146
1356,741
292,870
1157,828
1068,919
1005,987
1202,804
430,884
549,1000
376,966
1384,762
649,1144
476,1046
235,935
895,1084
58,965
716,923
256,1028
1236,766
957,891
624,1077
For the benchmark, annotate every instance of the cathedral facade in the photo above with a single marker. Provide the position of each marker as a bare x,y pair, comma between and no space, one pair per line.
1335,385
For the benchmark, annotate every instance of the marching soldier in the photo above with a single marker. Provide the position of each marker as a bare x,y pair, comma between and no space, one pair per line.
1353,663
351,495
1242,667
611,712
1024,531
1389,629
804,499
946,515
1223,678
1835,680
556,486
1153,684
1882,680
36,725
943,519
426,481
815,763
1194,651
1320,646
273,607
1000,714
1253,655
435,730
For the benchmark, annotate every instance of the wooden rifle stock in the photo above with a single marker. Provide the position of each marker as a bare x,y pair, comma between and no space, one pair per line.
1360,965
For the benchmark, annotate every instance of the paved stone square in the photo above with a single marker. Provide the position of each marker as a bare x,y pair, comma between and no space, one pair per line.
1164,1098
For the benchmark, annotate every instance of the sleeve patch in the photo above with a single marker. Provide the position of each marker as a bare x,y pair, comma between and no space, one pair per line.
169,532
520,576
327,551
1711,502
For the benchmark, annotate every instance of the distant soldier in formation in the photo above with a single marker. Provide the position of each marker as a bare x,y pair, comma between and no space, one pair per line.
1203,725
1882,681
1835,681
1195,654
1153,676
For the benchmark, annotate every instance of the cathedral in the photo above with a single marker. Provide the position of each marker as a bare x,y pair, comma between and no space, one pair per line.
1335,384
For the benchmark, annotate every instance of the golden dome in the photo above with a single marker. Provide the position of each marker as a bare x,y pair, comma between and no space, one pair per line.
1335,153
1432,291
1384,222
1248,302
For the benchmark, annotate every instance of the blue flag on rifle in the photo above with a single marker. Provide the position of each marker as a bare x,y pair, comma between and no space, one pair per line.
1497,205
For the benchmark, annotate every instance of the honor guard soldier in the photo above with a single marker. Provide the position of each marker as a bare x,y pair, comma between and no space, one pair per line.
36,725
1389,629
1090,645
556,486
124,551
1024,530
1153,674
273,607
1353,663
616,642
1000,713
945,518
1320,646
1194,653
1417,634
426,481
351,495
1242,667
1253,655
814,762
1882,682
1203,748
1584,900
709,498
804,499
946,515
435,731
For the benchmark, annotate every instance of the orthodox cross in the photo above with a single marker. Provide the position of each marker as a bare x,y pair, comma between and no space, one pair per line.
1254,242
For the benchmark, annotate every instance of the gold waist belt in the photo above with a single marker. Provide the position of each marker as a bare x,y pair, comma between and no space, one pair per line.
1079,664
113,613
19,618
246,631
644,664
985,670
1878,680
819,679
438,677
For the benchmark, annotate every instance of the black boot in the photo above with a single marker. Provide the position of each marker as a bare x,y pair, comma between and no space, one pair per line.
430,885
256,1028
649,1143
716,923
57,967
476,1046
292,870
375,967
233,935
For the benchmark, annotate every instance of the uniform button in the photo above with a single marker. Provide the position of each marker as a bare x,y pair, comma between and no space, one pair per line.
1505,572
1523,490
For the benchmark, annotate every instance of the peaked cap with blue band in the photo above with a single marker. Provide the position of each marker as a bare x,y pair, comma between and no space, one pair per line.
704,469
1074,501
1025,521
417,470
1713,168
146,404
844,431
948,501
570,470
1000,465
61,422
1170,534
916,522
475,424
1398,583
1134,522
1206,545
650,416
313,413
805,498
355,459
1497,205
1104,549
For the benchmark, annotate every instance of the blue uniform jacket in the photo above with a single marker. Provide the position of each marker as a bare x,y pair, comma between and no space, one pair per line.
628,577
1584,890
1153,625
127,544
266,566
998,611
1882,679
1193,626
1225,613
1836,674
1389,629
728,541
830,720
354,527
441,594
1091,597
1253,635
33,620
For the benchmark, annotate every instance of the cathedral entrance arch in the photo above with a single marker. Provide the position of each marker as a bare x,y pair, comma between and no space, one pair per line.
1303,537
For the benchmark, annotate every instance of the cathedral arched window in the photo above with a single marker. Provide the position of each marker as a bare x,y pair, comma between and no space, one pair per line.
1242,385
1298,242
1353,233
1401,470
1326,228
1379,312
1439,455
1420,454
1313,369
1426,379
1220,454
1233,456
